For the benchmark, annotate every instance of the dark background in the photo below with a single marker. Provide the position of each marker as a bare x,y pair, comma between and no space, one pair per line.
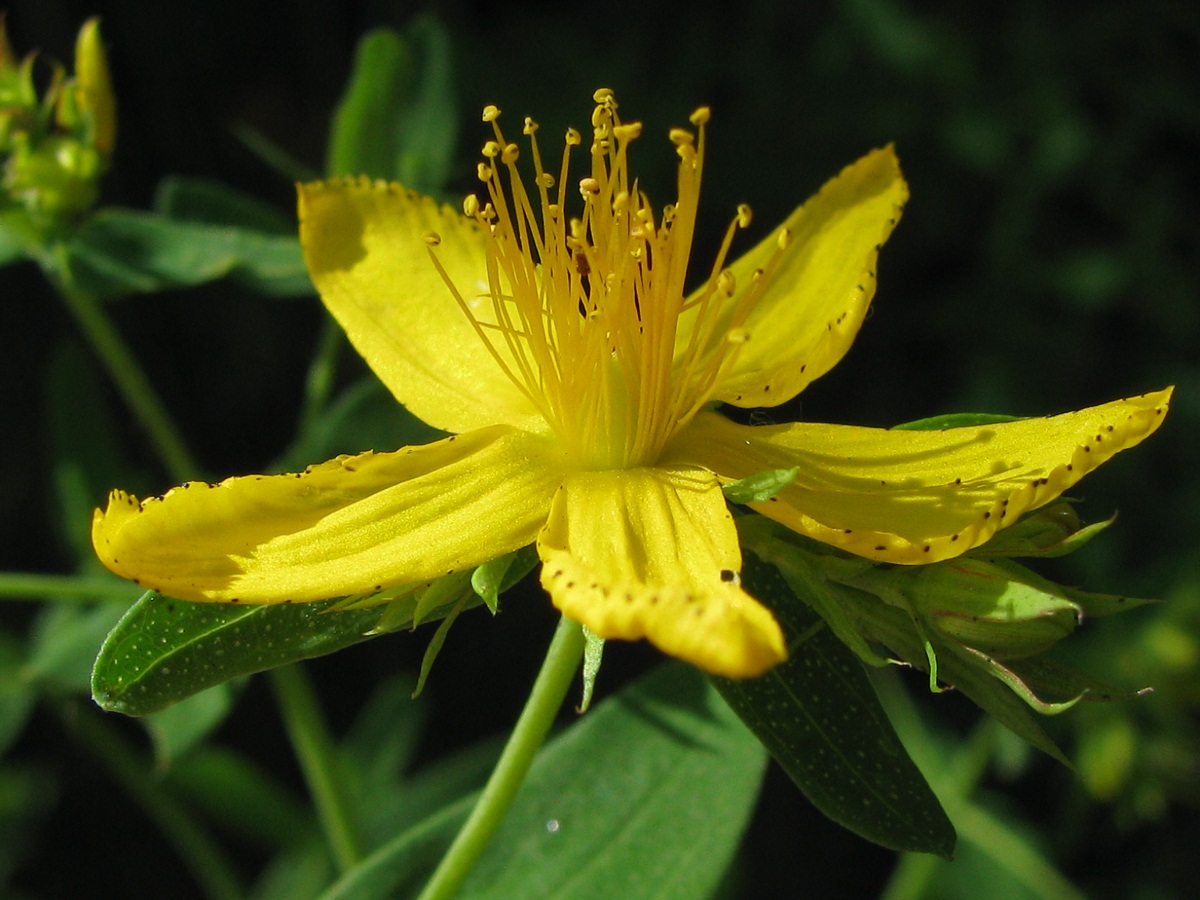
1047,261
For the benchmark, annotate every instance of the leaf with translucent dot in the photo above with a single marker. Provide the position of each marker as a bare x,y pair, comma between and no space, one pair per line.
164,650
819,717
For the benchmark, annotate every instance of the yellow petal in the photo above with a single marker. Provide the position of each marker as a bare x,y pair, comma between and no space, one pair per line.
653,553
814,302
347,526
365,246
918,496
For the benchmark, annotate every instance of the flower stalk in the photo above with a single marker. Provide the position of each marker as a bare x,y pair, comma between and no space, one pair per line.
549,690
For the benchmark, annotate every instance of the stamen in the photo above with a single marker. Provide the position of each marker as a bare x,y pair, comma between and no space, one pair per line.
583,312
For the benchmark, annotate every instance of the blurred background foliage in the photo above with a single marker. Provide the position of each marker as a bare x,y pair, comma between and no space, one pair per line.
1047,261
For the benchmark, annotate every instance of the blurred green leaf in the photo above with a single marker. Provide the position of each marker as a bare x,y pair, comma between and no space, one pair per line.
234,791
954,420
396,120
64,642
122,251
16,694
608,809
179,728
88,459
210,202
364,417
819,717
998,855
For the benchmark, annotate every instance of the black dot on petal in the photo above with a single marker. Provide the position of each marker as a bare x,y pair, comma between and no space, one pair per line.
728,575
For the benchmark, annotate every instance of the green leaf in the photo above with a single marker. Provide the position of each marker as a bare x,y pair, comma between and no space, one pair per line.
954,420
365,416
819,717
362,137
811,576
121,251
760,487
396,119
16,693
66,637
203,200
493,578
1057,679
244,799
179,728
1051,531
609,808
164,650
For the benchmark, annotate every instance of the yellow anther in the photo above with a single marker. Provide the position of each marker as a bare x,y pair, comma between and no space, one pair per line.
491,149
700,116
510,154
785,238
491,113
737,335
620,201
589,186
726,283
530,126
628,131
432,238
573,137
603,95
744,215
552,210
483,172
471,206
546,180
600,116
680,136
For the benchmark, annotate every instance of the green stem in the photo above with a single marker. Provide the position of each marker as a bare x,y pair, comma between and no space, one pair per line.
314,750
553,681
203,857
122,367
35,586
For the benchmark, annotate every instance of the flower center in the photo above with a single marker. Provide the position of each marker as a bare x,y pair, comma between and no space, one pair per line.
587,315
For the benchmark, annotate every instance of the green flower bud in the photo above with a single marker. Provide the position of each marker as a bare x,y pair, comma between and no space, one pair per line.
1000,609
55,147
93,88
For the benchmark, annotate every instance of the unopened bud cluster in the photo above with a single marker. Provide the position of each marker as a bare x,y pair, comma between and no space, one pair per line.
56,134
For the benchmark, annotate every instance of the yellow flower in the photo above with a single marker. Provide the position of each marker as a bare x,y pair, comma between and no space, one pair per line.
578,376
